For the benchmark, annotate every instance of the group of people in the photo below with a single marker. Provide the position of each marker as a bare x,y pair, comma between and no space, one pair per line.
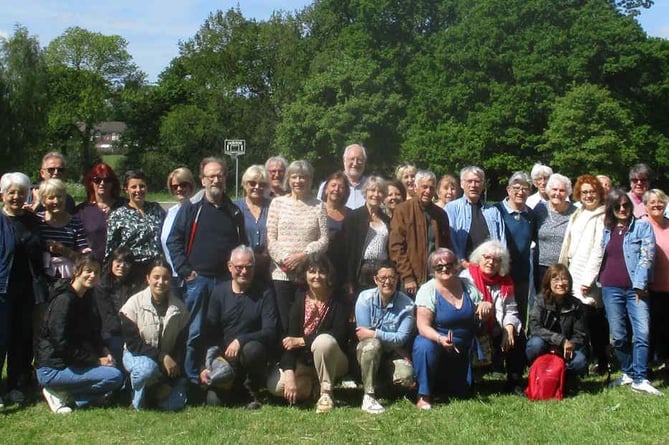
394,282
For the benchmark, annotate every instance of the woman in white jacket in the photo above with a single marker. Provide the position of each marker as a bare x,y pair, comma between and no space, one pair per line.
154,328
582,253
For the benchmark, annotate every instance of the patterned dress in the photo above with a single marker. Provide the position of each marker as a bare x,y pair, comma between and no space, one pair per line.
127,227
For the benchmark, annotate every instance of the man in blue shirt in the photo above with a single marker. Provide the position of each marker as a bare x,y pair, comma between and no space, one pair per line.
386,323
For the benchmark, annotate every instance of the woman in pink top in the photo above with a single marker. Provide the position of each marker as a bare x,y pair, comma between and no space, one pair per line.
296,227
655,201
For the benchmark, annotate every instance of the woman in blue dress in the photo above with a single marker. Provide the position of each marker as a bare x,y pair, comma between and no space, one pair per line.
447,319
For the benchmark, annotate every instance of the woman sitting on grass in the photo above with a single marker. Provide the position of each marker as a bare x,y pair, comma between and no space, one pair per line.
557,322
154,328
313,354
73,365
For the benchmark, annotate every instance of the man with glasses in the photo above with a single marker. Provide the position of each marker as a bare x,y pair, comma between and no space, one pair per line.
520,224
238,331
639,184
53,167
276,170
385,325
472,220
204,234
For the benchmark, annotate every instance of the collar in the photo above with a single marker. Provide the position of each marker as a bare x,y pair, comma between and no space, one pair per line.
511,210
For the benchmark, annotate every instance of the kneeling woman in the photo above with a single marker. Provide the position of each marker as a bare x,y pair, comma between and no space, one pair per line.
557,322
73,365
317,333
154,328
447,319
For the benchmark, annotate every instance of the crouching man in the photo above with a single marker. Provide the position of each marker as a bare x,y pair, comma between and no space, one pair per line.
238,331
386,322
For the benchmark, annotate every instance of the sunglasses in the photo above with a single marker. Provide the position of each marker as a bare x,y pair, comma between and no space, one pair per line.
254,184
182,185
53,170
445,267
97,180
639,180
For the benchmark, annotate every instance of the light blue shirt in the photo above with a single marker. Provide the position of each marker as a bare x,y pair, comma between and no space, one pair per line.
394,324
460,220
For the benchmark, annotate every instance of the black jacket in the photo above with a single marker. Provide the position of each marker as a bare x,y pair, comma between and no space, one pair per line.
70,334
110,296
335,323
354,232
554,324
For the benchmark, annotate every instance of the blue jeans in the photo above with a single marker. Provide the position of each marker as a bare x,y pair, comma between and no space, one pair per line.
536,346
144,372
621,306
196,299
84,385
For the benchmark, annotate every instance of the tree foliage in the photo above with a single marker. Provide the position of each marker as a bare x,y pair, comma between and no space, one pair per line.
23,100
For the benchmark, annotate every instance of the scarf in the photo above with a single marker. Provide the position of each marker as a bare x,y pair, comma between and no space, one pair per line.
483,283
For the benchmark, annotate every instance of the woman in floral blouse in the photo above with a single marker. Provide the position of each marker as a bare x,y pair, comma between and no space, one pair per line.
136,225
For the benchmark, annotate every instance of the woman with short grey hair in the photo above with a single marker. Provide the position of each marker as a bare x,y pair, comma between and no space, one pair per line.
552,220
365,238
296,227
20,267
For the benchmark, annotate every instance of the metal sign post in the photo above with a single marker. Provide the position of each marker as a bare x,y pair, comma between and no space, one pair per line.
235,148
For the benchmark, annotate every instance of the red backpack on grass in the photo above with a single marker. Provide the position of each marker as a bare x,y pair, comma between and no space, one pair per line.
546,379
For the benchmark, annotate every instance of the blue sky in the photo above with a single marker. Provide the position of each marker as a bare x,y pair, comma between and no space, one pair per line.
153,28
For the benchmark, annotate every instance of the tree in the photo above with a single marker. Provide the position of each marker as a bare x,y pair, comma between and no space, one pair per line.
23,101
83,50
588,127
87,71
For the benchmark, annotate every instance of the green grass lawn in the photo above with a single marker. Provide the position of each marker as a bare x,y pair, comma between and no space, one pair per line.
590,415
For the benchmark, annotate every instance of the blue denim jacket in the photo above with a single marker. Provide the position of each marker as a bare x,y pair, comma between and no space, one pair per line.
460,219
7,242
639,251
394,325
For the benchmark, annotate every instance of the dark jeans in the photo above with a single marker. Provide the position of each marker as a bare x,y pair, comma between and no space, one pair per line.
659,326
285,296
513,361
598,327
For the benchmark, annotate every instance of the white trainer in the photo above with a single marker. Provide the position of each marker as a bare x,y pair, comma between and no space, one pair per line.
647,387
371,405
56,402
621,381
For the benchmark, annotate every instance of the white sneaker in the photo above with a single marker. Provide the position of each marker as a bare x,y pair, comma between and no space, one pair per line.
621,381
16,396
371,405
325,403
647,387
56,402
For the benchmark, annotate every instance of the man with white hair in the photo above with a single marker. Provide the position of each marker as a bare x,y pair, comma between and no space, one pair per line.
355,159
520,223
472,220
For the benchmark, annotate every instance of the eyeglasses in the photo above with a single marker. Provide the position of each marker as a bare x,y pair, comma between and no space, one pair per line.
97,180
519,189
182,185
623,205
639,180
387,278
492,258
559,279
254,184
242,268
54,170
473,181
220,177
444,267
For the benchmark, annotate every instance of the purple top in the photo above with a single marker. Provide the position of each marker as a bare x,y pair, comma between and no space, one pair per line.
94,221
614,271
